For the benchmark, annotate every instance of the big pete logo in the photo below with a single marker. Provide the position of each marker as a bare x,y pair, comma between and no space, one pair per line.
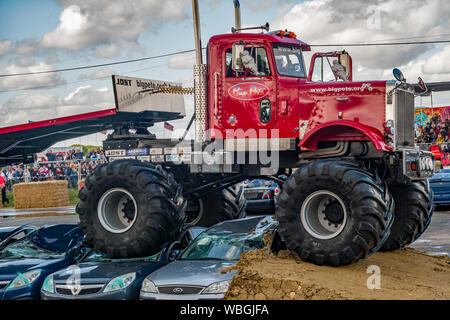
248,91
74,281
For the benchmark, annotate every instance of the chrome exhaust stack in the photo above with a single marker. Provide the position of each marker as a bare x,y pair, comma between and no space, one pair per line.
237,15
199,80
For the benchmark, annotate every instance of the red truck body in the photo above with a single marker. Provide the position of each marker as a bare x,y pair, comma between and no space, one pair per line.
330,110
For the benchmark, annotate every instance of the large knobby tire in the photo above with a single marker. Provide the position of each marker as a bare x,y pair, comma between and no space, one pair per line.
130,209
334,213
413,211
215,207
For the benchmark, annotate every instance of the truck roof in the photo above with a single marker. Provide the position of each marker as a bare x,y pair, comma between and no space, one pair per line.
230,38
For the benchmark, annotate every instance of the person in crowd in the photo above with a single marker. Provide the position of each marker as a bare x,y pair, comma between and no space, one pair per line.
3,188
74,177
438,155
50,156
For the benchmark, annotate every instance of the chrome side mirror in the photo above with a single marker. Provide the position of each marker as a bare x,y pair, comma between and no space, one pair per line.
398,75
422,86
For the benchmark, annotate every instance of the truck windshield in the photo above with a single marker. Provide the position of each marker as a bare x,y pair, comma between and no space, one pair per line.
289,60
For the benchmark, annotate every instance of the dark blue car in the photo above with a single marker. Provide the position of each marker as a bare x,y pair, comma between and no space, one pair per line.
440,184
97,277
24,264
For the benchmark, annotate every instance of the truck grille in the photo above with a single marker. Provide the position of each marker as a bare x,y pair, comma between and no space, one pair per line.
180,290
404,115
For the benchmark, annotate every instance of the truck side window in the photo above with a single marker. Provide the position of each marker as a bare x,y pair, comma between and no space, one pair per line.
257,63
328,69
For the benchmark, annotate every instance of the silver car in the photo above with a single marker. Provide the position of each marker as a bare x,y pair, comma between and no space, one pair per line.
197,272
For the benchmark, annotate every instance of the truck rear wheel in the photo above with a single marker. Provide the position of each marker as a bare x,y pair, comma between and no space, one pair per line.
130,209
413,210
333,213
215,207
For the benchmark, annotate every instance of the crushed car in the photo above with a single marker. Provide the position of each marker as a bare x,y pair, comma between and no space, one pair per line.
198,272
9,235
98,277
24,264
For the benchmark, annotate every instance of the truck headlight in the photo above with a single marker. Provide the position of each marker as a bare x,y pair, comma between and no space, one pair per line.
149,286
217,287
120,282
24,279
49,285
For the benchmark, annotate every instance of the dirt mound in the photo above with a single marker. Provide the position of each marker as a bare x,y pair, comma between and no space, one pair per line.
404,274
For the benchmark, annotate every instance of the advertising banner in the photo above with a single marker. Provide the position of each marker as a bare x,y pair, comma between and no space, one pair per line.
137,95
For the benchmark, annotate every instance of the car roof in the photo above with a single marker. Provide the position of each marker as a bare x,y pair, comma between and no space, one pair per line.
56,238
245,225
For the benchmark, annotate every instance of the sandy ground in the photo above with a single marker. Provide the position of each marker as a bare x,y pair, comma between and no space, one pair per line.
404,274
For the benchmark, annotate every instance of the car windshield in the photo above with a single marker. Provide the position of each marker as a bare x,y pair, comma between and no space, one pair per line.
26,250
95,256
289,60
222,244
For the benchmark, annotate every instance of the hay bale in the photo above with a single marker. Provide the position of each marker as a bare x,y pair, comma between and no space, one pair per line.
46,194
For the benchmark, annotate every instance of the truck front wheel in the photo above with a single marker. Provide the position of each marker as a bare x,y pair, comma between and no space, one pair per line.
130,209
413,211
334,213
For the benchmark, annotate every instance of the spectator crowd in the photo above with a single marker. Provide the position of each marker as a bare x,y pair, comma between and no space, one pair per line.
434,131
434,136
71,166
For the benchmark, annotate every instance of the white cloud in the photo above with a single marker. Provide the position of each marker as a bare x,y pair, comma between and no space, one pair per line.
29,81
72,31
352,21
182,61
26,47
108,23
439,62
98,74
106,51
87,95
5,47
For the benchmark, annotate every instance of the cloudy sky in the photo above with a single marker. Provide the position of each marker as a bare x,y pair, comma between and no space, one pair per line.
54,34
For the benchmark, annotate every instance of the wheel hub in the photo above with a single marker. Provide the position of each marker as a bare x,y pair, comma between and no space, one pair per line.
323,214
128,210
117,210
334,212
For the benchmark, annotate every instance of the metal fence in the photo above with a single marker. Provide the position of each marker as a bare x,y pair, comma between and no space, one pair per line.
70,170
